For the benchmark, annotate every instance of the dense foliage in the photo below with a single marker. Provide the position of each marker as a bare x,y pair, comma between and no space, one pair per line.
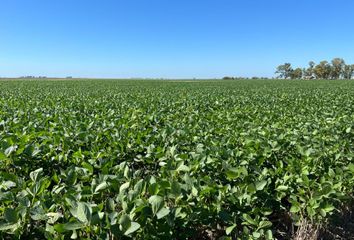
336,69
172,160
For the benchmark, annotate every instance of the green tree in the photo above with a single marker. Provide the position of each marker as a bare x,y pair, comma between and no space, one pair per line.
337,68
284,70
348,71
309,73
296,74
322,70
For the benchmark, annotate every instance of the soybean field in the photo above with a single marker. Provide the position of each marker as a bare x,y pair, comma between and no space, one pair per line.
197,159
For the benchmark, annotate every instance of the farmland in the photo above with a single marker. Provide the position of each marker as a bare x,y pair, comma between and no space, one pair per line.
122,159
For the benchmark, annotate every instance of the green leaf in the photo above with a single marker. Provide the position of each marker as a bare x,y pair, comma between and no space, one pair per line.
269,235
35,174
175,188
248,219
295,209
328,208
3,156
124,186
230,229
260,185
38,214
162,213
183,168
8,226
61,228
74,235
11,215
251,188
264,224
348,130
156,203
310,211
10,150
232,173
125,221
8,184
134,226
84,212
41,185
282,188
87,166
53,217
256,235
351,167
103,185
138,187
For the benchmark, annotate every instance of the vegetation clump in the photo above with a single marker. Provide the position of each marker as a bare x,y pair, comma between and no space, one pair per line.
337,69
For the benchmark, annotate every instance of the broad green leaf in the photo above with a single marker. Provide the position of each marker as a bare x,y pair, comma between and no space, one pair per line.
35,174
249,220
10,150
84,212
125,221
256,235
269,235
3,156
103,185
232,173
175,188
310,211
295,209
260,185
74,235
8,184
328,208
88,167
282,188
68,226
251,188
183,168
156,203
351,167
11,215
9,226
124,186
53,217
264,224
134,226
162,213
230,229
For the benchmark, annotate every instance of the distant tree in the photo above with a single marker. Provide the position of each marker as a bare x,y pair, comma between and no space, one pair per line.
322,70
308,72
337,68
228,78
296,74
348,71
284,70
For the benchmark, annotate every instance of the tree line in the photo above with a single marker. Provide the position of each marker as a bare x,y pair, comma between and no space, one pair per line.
336,69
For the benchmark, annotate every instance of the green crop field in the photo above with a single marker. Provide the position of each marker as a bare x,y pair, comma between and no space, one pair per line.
121,159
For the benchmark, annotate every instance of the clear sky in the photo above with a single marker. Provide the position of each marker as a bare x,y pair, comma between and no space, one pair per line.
170,38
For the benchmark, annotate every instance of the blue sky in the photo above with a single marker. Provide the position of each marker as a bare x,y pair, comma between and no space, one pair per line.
170,38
